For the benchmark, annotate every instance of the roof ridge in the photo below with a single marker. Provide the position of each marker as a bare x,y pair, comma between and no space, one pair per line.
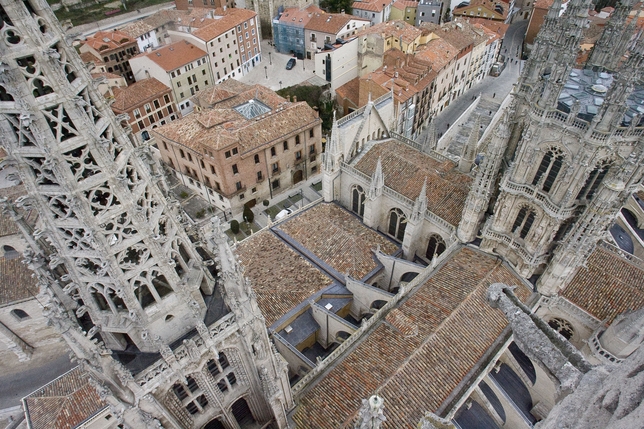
427,339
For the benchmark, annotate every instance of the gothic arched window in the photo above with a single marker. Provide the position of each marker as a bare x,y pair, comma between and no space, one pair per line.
563,327
593,180
549,169
435,246
523,222
225,379
357,200
190,396
397,224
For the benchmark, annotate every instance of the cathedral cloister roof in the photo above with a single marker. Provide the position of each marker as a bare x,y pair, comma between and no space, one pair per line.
405,170
607,286
414,373
335,238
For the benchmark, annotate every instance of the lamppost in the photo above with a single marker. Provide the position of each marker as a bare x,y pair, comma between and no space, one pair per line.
266,71
303,68
280,84
270,59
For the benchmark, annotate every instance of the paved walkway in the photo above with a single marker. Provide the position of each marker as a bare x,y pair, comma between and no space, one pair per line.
272,72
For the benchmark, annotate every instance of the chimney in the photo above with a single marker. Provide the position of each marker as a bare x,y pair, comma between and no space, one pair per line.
294,99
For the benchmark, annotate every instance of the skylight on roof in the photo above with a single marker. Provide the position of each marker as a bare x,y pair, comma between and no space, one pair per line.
252,108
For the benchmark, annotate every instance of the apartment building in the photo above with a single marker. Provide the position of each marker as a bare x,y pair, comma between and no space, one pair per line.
376,11
243,145
429,11
404,10
148,103
144,34
181,66
328,28
337,63
289,30
232,42
115,48
375,41
443,57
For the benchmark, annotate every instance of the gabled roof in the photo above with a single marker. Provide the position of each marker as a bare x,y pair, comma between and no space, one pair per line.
229,19
297,17
405,170
64,403
403,4
438,53
16,281
607,278
137,94
399,29
136,29
106,41
422,351
175,55
371,5
332,23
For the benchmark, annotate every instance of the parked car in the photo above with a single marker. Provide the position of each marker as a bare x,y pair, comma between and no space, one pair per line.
497,68
290,64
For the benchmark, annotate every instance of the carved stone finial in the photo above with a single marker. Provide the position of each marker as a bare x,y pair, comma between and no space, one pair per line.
371,414
432,421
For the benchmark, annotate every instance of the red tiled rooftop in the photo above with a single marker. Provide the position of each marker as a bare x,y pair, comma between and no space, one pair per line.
280,277
405,170
106,41
416,373
175,55
338,238
230,19
609,285
137,93
63,403
16,283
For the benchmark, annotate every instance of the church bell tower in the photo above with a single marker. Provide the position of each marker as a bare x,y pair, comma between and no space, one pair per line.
576,155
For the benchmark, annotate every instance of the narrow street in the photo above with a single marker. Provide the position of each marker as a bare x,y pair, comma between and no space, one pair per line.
492,90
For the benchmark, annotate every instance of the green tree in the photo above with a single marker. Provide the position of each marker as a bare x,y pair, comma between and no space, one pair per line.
249,216
337,6
234,226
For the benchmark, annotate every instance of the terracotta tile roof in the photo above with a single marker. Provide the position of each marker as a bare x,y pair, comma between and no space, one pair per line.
350,91
296,17
136,29
371,5
607,286
230,19
280,277
400,29
338,238
106,41
64,403
16,281
175,55
403,4
405,170
138,93
496,27
222,126
458,34
88,57
485,5
215,94
331,23
416,373
164,17
438,53
108,76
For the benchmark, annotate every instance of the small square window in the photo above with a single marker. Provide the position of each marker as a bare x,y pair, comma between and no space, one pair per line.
235,151
227,154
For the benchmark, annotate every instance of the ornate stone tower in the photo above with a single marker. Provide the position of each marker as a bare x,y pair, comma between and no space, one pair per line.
573,156
123,282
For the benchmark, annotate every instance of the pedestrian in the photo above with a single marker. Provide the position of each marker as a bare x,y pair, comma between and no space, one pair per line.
490,113
448,125
494,95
